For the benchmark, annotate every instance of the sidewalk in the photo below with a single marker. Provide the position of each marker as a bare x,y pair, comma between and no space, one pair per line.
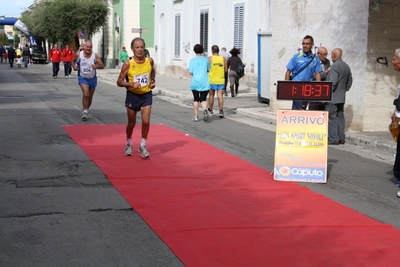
246,104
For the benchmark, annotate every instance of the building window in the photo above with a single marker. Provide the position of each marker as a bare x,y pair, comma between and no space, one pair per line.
204,30
238,27
177,35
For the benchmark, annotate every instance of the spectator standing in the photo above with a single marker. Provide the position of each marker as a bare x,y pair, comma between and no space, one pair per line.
396,119
341,78
26,53
18,53
11,56
123,55
2,51
325,65
138,77
217,80
30,56
226,56
55,57
233,63
86,62
199,67
66,56
302,67
81,47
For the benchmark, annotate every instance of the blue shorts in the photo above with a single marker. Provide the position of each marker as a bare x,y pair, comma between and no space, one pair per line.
92,82
217,87
136,101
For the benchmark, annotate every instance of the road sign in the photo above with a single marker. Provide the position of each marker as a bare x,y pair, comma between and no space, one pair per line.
140,30
81,35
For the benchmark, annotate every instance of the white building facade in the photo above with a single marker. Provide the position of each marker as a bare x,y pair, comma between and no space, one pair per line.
269,32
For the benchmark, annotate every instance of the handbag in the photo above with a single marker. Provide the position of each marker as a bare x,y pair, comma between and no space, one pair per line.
240,69
394,129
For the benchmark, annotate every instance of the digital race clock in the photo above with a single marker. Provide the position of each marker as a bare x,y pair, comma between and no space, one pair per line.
312,91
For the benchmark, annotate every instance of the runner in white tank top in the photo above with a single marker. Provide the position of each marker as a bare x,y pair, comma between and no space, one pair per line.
86,62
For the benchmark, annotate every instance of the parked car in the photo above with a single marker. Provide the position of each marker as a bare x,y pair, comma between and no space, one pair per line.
39,55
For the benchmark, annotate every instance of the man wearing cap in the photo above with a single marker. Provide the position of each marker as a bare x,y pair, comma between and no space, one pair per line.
123,55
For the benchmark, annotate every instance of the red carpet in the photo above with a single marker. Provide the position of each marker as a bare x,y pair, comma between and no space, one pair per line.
215,209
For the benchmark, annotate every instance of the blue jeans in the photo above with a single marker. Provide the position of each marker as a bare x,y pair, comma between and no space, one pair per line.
26,61
299,104
67,68
56,68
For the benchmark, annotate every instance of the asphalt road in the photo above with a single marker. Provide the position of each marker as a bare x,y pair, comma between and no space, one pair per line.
58,209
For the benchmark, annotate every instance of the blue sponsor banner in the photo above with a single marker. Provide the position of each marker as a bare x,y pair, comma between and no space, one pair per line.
32,40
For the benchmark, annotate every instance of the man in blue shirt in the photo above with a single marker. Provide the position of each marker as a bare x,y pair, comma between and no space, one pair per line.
302,67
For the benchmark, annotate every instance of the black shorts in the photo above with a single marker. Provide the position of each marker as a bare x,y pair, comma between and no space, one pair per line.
199,96
137,101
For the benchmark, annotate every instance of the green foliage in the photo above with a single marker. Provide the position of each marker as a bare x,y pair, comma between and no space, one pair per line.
60,20
3,39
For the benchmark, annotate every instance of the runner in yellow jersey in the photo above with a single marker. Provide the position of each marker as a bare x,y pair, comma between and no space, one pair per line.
138,77
217,80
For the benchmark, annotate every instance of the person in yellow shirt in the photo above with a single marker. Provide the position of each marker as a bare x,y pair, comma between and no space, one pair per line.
217,80
138,77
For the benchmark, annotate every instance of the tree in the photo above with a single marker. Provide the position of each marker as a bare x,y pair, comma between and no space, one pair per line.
60,20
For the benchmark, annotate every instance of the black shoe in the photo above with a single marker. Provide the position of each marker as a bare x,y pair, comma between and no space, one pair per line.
341,142
221,114
333,143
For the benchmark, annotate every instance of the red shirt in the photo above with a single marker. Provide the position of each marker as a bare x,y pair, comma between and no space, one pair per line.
55,55
67,55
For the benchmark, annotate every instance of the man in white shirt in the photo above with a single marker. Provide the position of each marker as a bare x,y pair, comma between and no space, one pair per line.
226,55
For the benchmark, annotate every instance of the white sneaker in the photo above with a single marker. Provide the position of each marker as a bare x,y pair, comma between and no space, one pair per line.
143,152
85,116
69,76
66,77
128,150
195,118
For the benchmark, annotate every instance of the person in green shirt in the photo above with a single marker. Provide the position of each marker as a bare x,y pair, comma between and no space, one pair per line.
123,55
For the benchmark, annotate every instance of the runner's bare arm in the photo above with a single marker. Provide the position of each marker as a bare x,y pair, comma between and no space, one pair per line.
99,64
122,75
152,74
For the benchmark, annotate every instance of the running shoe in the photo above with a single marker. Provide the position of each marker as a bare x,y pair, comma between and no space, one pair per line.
210,112
128,150
143,152
221,114
398,183
205,118
85,116
195,118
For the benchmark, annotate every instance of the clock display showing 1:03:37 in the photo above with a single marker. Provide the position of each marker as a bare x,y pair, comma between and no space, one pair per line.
297,90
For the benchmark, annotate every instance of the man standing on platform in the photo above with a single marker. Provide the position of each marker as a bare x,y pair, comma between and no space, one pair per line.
302,67
325,65
342,79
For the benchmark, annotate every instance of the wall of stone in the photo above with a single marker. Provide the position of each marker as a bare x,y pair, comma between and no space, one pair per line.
381,79
339,23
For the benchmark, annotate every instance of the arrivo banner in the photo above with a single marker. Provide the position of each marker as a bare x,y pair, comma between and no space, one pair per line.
301,146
